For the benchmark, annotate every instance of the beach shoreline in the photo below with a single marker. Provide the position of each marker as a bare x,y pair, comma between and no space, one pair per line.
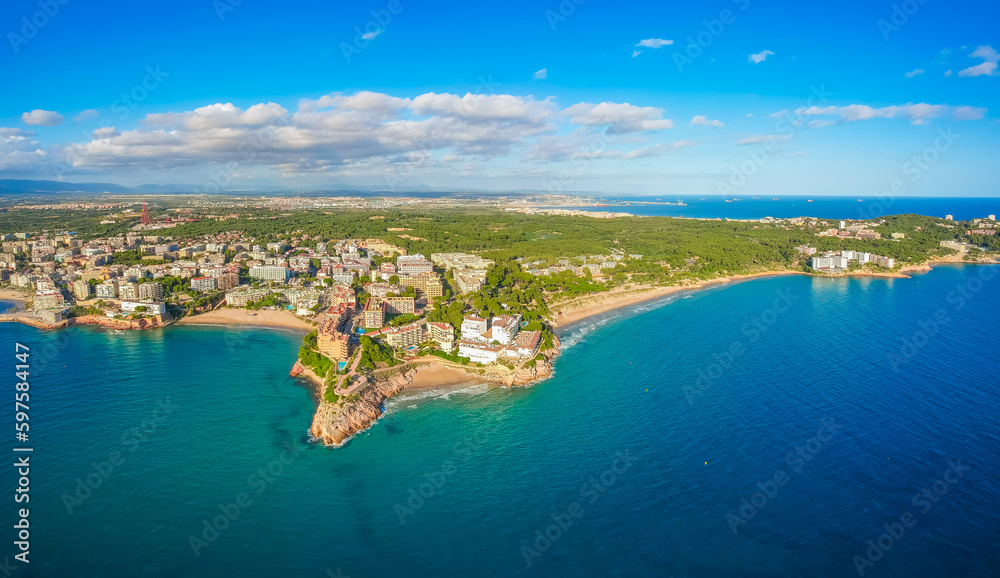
607,302
19,298
244,317
433,375
600,303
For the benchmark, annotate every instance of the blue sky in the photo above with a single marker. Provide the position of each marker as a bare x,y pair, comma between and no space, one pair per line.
732,98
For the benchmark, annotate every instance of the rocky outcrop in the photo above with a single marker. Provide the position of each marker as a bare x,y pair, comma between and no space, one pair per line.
528,375
335,422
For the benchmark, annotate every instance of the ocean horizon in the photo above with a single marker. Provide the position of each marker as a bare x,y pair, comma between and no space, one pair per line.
753,428
786,206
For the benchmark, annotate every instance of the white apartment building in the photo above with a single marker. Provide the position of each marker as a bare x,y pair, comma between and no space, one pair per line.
275,273
474,327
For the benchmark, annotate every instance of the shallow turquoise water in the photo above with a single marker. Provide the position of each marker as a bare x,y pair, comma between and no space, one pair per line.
656,386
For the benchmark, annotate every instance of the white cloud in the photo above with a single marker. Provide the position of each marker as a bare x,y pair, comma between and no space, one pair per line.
365,135
486,108
105,132
947,73
88,114
917,113
542,74
659,149
636,53
619,118
585,144
654,43
760,56
797,154
913,73
363,131
701,120
19,151
373,34
218,116
759,138
969,113
40,117
988,67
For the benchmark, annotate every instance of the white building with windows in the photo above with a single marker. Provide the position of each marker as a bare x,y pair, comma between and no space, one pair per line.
505,328
107,290
152,307
474,327
276,273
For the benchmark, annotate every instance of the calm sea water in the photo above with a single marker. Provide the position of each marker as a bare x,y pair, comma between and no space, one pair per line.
658,425
712,207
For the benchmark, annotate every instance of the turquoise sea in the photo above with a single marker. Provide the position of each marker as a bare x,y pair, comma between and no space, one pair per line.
786,426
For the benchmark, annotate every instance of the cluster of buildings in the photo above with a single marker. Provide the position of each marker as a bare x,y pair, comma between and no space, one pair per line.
469,271
836,261
412,334
485,340
846,231
569,212
334,330
579,265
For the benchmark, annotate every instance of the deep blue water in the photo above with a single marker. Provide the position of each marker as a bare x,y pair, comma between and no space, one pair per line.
712,207
698,438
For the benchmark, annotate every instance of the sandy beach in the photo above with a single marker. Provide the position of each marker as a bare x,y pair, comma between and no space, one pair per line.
582,307
17,296
431,375
225,316
597,303
589,305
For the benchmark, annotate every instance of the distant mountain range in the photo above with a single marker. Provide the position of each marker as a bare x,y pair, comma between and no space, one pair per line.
12,186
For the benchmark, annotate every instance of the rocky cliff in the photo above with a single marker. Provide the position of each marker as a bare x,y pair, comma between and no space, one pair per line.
335,422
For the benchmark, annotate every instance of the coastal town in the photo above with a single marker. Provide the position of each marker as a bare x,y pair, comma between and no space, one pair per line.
375,310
